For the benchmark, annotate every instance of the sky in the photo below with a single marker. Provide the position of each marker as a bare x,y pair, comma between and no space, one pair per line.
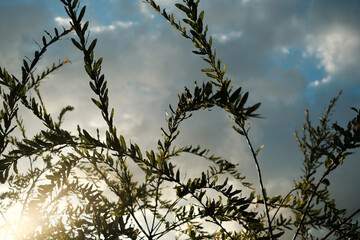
290,55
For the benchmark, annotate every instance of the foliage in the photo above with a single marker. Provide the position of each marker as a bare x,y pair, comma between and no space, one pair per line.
61,195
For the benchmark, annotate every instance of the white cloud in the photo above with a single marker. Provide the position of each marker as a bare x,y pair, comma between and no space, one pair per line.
320,82
223,38
62,21
146,10
285,50
126,24
336,49
100,28
112,27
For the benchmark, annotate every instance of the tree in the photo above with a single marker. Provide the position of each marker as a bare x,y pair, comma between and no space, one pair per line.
63,194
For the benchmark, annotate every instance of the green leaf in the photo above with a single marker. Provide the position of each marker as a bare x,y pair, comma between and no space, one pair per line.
207,70
253,109
93,87
44,40
81,15
201,15
77,44
97,103
235,95
88,70
212,76
26,65
123,143
182,8
196,35
92,46
238,130
85,27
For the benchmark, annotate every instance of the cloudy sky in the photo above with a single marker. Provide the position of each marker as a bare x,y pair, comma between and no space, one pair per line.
289,54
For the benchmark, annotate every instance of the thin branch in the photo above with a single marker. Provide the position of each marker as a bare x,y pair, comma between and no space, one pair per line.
156,206
281,204
3,216
260,180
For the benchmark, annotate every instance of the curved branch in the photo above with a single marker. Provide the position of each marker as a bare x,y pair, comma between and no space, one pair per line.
260,180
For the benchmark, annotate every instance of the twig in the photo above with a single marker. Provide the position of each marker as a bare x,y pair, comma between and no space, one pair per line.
260,180
281,204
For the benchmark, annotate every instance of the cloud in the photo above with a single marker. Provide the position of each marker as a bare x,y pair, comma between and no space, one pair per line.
224,38
317,83
112,27
98,28
62,21
337,49
285,50
146,10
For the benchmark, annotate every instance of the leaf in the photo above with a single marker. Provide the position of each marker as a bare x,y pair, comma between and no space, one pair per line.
177,178
97,103
86,25
44,40
81,15
77,44
199,53
207,70
235,94
87,136
252,109
238,130
240,107
93,87
196,35
326,181
56,32
182,8
88,70
92,46
211,75
26,65
259,149
97,64
123,143
201,15
187,21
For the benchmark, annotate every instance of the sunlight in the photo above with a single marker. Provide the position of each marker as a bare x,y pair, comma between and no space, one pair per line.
9,231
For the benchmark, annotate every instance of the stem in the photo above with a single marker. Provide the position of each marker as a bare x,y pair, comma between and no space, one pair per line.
156,206
3,216
260,180
281,204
